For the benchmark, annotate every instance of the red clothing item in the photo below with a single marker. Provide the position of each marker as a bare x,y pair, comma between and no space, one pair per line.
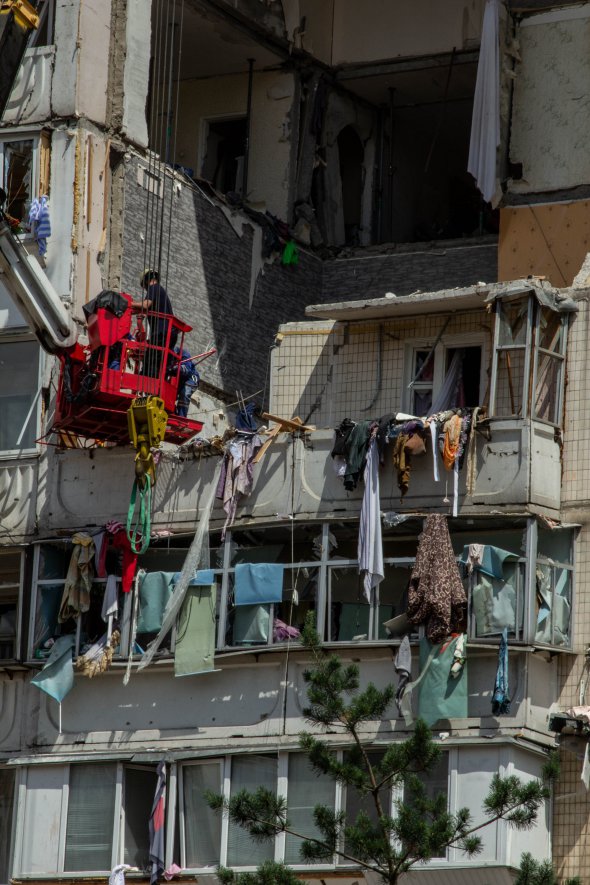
119,541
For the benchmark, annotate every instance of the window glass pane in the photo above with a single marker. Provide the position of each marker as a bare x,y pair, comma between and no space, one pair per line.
17,177
307,788
9,589
392,596
91,816
249,773
513,318
509,382
349,612
202,827
355,802
553,605
435,781
7,779
555,544
420,357
18,360
48,603
550,330
54,560
549,370
421,401
138,797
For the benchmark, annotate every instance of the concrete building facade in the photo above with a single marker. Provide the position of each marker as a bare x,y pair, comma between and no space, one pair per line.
203,138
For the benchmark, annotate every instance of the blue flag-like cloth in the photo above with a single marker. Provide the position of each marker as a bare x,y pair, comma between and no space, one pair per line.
57,676
501,697
259,583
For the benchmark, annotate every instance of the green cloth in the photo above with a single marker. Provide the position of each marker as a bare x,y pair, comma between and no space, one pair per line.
154,593
195,633
57,676
251,624
441,696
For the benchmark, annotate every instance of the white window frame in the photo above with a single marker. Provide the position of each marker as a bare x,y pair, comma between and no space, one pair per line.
446,343
17,336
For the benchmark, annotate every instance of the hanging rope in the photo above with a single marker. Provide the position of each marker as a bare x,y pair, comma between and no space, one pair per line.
139,534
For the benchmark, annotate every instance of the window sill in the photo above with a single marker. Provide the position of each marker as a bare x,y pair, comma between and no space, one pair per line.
19,454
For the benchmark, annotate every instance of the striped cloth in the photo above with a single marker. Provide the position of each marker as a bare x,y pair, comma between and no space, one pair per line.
157,843
370,546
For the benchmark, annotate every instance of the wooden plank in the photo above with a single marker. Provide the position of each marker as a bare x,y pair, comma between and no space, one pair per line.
289,423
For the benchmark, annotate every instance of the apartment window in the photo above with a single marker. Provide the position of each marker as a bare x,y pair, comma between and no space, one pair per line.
448,376
7,794
50,568
19,402
201,829
10,585
554,587
139,788
250,773
306,789
90,820
18,175
529,360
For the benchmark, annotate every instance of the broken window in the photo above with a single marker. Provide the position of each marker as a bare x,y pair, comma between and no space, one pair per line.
10,581
351,155
19,402
139,786
17,177
447,378
223,163
528,370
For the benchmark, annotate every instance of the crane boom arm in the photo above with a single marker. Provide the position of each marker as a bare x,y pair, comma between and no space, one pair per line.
33,294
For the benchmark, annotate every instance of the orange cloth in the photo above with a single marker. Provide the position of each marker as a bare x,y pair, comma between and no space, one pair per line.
452,432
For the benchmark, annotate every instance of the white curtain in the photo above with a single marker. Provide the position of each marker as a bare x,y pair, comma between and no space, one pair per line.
307,789
485,123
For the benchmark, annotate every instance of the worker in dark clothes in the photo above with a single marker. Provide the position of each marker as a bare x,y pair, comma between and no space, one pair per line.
157,305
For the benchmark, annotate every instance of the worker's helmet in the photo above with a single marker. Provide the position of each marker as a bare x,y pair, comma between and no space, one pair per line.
147,276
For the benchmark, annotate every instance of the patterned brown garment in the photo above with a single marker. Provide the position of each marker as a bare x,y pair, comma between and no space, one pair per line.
436,596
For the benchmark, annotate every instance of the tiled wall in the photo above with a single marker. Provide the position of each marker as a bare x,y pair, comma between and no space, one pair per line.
326,372
571,809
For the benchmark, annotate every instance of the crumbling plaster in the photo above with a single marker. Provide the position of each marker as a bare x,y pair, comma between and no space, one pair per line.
551,110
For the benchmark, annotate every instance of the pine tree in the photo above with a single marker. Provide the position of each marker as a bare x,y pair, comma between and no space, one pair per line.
421,827
535,872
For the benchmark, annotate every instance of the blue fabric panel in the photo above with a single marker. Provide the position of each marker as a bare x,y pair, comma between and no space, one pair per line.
258,583
57,676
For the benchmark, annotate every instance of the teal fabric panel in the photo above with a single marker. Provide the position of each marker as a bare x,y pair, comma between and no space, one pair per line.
492,561
154,593
441,696
195,633
57,676
251,624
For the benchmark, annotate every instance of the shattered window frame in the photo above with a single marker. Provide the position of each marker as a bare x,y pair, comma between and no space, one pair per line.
549,362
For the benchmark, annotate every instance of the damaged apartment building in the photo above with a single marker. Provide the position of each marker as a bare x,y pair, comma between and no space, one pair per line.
297,174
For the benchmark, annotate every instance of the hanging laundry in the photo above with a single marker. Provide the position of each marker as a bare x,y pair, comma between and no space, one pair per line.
485,122
282,632
99,656
194,650
355,453
493,596
76,595
57,676
116,539
402,462
501,697
155,590
341,435
237,473
110,602
403,667
40,223
370,544
258,583
436,596
459,656
443,695
156,826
